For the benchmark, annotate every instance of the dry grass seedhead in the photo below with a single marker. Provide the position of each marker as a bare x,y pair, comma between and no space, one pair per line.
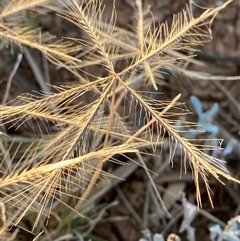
76,136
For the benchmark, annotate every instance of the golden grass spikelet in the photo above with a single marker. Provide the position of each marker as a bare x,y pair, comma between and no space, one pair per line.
76,135
15,6
46,181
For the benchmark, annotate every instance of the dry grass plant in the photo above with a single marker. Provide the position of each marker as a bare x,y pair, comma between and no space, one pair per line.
76,136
